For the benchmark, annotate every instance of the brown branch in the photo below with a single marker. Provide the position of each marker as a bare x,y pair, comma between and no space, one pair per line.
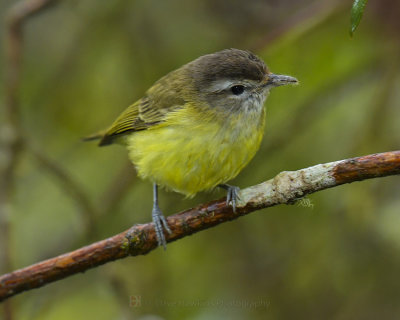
285,188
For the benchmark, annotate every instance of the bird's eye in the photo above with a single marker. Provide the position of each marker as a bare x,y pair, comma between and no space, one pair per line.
237,90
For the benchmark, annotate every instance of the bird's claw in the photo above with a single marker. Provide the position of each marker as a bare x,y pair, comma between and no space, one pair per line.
160,224
232,195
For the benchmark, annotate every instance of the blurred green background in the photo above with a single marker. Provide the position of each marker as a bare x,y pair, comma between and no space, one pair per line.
337,257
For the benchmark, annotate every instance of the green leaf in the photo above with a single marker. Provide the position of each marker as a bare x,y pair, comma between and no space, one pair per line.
356,14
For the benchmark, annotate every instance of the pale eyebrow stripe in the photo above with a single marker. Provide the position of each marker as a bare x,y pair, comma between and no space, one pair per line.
221,85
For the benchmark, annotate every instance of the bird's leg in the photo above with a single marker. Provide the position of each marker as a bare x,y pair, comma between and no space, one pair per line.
160,223
232,195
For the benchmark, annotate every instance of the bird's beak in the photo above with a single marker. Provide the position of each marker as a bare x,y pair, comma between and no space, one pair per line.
276,80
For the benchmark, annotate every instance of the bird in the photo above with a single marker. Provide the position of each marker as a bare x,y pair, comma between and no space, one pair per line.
197,127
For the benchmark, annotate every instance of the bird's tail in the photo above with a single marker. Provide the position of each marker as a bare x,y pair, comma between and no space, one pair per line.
105,139
95,136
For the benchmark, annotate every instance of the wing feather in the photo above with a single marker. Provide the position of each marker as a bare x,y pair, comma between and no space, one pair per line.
143,114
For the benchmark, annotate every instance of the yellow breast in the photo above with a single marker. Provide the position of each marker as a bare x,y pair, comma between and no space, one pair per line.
192,151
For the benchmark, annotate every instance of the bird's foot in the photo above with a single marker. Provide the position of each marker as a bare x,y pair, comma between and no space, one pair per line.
160,224
232,195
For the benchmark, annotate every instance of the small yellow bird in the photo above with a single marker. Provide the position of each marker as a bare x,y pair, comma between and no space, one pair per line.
197,127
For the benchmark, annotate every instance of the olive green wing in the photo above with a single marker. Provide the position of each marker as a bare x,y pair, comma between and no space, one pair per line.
141,115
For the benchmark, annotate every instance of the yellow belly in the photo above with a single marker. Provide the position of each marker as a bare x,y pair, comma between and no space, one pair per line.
188,157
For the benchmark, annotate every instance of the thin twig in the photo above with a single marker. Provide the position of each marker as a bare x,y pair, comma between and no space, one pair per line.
286,188
302,21
89,213
11,133
118,188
